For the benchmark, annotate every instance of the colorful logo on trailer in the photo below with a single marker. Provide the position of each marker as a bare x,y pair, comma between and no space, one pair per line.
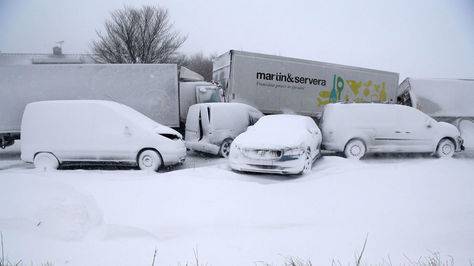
359,92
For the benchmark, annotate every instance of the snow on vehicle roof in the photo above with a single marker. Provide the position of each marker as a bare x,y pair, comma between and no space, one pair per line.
344,115
369,108
443,97
224,104
276,132
187,74
128,112
242,106
283,121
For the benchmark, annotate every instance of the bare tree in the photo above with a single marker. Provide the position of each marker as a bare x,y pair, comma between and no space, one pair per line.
137,35
198,63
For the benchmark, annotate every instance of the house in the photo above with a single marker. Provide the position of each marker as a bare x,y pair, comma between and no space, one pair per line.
57,57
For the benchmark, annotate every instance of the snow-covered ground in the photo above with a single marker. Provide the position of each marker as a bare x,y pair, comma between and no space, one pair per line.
407,208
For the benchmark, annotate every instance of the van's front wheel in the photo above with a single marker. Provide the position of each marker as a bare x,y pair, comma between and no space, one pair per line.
149,160
355,149
46,161
225,148
445,149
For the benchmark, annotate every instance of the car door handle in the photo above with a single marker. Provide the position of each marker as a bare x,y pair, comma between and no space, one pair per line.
398,131
408,132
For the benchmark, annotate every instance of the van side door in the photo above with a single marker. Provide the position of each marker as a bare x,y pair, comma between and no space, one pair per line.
115,138
193,131
74,143
383,124
415,128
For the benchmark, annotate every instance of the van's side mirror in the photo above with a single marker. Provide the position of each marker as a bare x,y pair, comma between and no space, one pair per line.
429,124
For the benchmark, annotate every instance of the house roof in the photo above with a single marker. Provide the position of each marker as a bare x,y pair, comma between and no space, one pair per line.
32,58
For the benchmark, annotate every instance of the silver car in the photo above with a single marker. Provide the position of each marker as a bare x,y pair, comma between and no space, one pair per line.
280,144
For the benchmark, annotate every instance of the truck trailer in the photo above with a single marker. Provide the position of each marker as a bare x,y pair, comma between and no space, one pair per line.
162,92
447,100
276,84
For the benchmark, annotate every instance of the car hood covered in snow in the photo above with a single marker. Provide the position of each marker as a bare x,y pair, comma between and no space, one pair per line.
449,129
274,132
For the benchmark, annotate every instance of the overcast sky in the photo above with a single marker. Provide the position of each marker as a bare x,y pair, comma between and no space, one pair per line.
432,38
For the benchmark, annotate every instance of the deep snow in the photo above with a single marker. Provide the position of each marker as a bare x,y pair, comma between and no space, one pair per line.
409,207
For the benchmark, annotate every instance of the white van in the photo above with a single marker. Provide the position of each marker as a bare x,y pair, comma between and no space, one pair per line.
211,127
53,132
359,128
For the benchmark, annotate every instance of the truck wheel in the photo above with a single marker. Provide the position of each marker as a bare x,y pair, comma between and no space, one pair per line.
445,149
45,161
355,149
225,148
149,160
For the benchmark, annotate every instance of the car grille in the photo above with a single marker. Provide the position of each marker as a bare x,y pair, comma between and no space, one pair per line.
263,154
271,167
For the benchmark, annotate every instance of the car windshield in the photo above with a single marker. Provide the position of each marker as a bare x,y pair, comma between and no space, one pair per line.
280,122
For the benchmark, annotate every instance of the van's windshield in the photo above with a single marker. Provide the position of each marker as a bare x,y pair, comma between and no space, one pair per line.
136,117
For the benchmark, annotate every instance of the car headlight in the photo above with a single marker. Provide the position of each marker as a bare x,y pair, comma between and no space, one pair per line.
234,146
171,136
293,152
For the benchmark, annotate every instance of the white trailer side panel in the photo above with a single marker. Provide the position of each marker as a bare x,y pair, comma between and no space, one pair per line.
274,84
441,97
150,89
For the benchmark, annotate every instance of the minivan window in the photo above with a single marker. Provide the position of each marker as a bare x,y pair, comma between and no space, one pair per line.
413,117
135,117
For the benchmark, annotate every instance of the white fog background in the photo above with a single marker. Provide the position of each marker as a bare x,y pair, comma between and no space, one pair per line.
414,38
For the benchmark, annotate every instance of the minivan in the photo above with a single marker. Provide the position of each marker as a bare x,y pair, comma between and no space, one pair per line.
211,127
359,128
53,132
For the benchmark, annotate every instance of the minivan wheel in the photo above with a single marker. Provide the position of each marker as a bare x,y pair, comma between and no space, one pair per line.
445,149
225,148
355,149
149,160
45,161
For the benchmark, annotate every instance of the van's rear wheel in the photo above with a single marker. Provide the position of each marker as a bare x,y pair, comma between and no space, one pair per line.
446,149
46,161
225,148
355,149
149,160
